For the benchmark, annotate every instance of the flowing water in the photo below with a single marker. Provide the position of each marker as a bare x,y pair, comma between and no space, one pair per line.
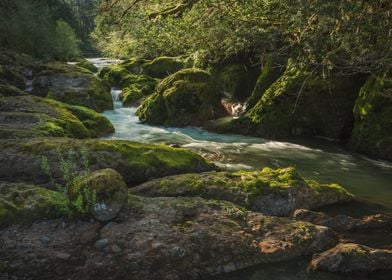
370,180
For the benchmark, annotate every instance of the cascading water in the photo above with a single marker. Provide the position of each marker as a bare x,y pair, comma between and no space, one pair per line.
368,179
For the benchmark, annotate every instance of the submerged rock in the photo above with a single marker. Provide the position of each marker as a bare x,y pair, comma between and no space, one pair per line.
188,97
346,258
343,222
27,116
22,159
73,85
272,192
160,238
372,133
103,193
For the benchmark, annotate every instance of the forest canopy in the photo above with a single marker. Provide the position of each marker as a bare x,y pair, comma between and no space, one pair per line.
351,35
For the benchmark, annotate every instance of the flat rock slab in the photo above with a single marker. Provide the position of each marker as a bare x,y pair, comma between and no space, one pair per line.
158,238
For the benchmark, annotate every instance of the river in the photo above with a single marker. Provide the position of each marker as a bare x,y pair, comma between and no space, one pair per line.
370,180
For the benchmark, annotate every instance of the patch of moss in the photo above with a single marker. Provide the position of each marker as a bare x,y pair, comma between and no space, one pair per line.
84,63
20,202
137,87
162,67
372,133
114,74
268,190
12,77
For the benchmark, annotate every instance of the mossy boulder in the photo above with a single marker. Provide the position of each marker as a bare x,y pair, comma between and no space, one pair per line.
84,63
162,67
350,257
137,163
103,193
372,133
20,202
27,116
7,90
138,87
188,97
272,192
307,103
73,85
114,74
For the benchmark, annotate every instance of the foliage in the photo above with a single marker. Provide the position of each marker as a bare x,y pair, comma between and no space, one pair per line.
353,36
71,175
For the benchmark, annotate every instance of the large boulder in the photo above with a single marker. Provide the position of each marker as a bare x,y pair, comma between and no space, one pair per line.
272,192
307,103
20,202
350,257
27,116
9,75
102,193
21,160
159,238
188,97
73,85
137,87
372,133
162,67
84,63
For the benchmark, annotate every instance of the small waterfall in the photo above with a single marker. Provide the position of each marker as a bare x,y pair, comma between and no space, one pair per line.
237,109
116,94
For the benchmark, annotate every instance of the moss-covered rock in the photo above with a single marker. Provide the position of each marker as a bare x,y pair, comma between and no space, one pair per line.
114,74
271,70
73,85
138,87
350,257
20,202
137,163
160,238
372,133
307,103
188,97
7,90
26,116
84,63
272,192
162,67
102,193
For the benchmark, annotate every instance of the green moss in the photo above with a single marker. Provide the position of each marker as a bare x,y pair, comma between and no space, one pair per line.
134,161
308,103
372,131
137,87
12,77
28,116
21,202
114,74
84,63
162,67
259,191
188,97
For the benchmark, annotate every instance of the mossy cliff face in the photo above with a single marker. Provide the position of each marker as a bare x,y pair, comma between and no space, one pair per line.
372,133
188,97
307,103
160,238
22,159
73,85
26,116
272,192
20,202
